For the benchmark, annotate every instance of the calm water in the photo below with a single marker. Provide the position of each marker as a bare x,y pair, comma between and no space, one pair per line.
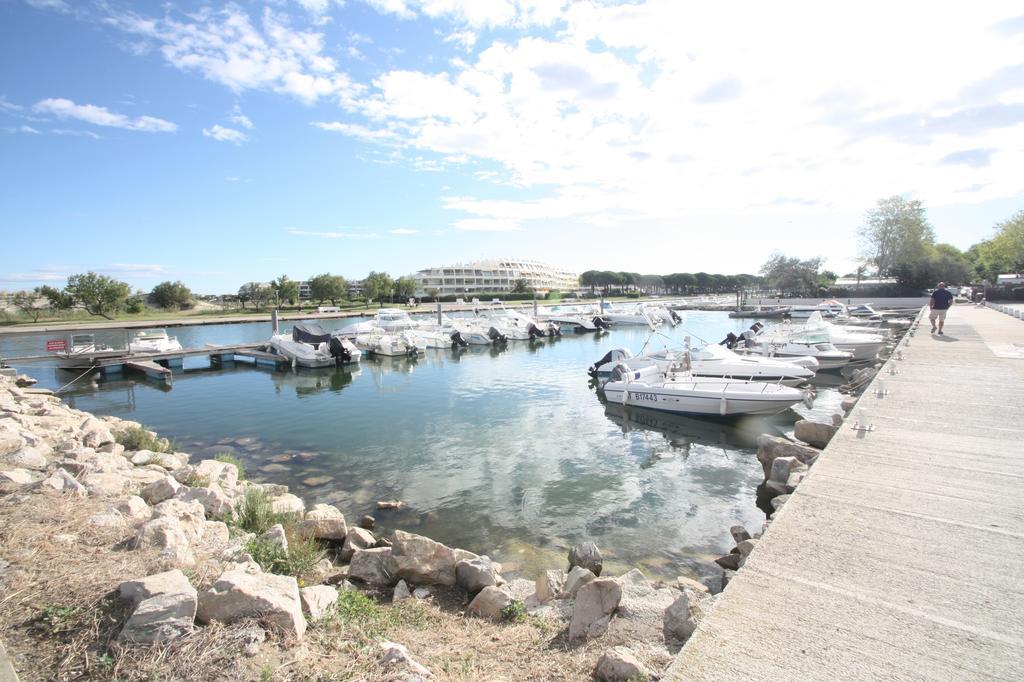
509,453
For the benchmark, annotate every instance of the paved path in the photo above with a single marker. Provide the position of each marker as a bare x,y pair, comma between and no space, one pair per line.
901,556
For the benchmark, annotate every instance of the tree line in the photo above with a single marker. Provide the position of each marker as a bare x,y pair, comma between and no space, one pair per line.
610,282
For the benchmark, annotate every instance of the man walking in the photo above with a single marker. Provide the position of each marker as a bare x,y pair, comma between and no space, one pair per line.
939,304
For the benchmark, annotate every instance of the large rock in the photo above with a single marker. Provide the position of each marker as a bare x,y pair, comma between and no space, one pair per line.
372,566
595,603
771,447
641,609
96,435
814,433
190,515
28,457
577,578
17,476
63,482
588,556
223,474
422,561
216,503
165,607
276,537
474,575
238,594
549,585
739,534
158,491
782,467
324,522
489,603
619,664
682,617
104,484
288,504
10,443
167,535
356,538
396,656
317,600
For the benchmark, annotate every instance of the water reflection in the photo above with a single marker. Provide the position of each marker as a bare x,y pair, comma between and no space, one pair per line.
502,450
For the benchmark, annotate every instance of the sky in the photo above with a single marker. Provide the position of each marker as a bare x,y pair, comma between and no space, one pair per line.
224,143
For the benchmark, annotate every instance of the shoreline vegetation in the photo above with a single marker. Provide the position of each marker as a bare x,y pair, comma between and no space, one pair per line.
123,558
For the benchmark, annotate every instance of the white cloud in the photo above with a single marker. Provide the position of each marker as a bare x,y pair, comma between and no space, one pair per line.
476,13
28,129
226,47
222,134
332,234
238,118
74,133
58,5
404,231
101,116
486,225
652,111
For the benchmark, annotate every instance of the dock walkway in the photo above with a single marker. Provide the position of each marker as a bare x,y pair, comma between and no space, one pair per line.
901,555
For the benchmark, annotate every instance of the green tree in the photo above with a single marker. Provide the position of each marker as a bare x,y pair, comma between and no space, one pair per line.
433,293
171,295
405,288
520,286
257,293
1003,253
378,286
286,290
328,287
896,236
792,275
31,303
96,294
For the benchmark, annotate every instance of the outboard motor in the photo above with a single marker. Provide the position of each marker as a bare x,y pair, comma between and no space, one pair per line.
675,316
600,322
748,337
756,327
495,336
592,370
457,340
730,341
621,372
554,329
534,332
338,351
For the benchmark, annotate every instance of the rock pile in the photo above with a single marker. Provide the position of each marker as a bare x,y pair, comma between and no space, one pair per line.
167,503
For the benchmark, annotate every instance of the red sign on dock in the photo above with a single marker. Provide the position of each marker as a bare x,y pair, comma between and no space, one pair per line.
54,345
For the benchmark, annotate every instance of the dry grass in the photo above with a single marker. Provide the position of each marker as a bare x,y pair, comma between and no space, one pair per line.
59,618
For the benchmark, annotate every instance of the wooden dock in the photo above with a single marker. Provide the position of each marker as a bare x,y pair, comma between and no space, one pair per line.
901,555
158,365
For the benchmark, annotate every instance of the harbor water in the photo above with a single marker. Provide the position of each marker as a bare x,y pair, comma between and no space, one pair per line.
506,452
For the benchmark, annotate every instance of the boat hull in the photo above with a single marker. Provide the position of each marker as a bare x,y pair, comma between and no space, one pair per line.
711,402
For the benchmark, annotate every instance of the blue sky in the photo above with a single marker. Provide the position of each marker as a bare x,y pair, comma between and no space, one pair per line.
221,143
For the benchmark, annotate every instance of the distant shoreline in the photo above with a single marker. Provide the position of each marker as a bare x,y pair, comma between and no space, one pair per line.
423,308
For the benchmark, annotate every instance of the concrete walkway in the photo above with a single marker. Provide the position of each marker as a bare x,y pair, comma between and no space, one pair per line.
901,556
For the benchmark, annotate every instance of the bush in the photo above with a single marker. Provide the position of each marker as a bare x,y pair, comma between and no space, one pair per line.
515,612
134,306
300,560
228,458
141,438
256,514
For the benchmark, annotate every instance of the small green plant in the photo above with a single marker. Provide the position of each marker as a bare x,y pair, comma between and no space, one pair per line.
256,513
194,480
266,674
299,560
514,612
141,438
56,618
228,458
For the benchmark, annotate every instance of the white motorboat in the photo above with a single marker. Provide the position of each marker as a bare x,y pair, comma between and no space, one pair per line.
826,308
153,341
710,361
309,345
860,343
787,347
472,333
659,312
682,393
518,327
394,320
425,338
580,322
388,344
631,317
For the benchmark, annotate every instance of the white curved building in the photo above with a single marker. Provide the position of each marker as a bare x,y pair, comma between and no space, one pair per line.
489,276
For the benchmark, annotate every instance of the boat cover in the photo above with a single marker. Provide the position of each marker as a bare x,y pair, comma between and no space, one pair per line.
309,332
